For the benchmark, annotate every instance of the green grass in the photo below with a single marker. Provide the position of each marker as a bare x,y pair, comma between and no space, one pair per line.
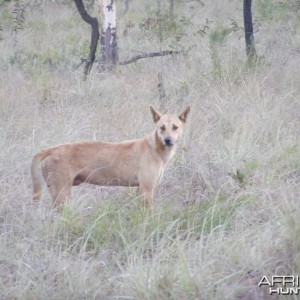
226,211
273,10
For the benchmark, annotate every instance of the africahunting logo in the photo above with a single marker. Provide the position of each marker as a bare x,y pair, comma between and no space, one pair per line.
281,285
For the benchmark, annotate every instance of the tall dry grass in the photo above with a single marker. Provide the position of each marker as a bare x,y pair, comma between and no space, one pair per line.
227,209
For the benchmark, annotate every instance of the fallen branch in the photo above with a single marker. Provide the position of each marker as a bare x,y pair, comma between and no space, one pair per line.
82,61
151,54
135,58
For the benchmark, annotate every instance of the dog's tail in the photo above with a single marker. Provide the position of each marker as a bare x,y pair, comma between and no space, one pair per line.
36,174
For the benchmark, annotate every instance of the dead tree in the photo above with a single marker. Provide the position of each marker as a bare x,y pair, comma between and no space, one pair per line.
171,7
249,38
108,38
158,4
93,22
126,2
109,45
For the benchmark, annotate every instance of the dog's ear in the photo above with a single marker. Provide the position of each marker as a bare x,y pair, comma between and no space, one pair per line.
155,114
183,116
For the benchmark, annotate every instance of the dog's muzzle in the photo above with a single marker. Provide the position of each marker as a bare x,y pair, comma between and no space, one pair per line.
168,142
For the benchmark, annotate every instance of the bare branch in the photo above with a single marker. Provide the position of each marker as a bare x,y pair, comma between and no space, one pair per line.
161,92
151,54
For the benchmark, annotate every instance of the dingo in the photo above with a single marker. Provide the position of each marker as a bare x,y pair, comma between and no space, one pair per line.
130,163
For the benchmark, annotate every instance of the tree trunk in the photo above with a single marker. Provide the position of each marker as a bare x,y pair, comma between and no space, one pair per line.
171,7
249,38
108,40
94,35
158,3
126,6
109,46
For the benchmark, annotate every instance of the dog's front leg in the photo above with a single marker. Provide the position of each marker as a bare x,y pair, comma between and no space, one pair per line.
147,193
148,179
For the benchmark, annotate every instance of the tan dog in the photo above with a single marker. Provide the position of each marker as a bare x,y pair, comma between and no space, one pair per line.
130,163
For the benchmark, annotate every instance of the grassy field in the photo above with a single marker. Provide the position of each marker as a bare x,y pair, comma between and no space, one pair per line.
227,210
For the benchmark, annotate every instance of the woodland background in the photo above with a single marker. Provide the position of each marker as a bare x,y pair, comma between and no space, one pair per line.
227,210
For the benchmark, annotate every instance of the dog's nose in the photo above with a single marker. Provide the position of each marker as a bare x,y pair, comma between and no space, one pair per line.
168,142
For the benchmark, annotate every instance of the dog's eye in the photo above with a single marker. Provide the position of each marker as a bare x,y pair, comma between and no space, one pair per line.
163,127
175,127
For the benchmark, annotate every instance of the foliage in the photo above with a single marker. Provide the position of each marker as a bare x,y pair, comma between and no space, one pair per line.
18,16
217,38
163,27
273,10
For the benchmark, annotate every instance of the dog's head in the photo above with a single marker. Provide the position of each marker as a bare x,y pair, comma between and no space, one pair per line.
169,127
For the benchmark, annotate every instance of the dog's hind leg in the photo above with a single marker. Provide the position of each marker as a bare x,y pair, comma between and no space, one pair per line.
60,194
59,184
61,199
